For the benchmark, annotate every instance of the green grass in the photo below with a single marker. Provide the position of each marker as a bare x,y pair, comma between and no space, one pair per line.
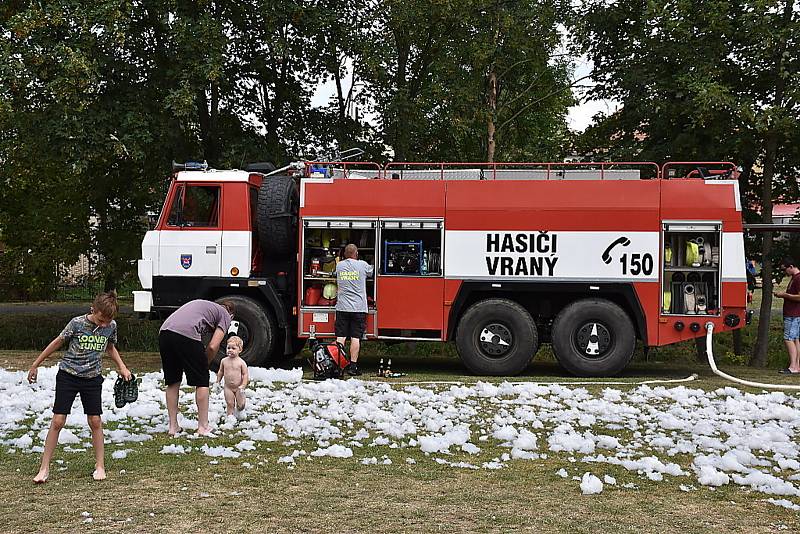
164,493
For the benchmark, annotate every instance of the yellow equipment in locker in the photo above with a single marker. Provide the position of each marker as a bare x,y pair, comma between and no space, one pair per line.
692,254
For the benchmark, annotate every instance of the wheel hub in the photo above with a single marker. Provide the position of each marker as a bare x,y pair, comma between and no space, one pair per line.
495,340
593,339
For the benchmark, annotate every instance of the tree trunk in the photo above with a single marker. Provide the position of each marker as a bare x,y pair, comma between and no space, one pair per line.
492,102
759,356
207,119
110,283
491,98
400,127
700,346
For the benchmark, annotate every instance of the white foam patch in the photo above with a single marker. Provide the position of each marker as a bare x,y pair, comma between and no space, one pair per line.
334,451
121,454
219,451
784,503
694,437
590,484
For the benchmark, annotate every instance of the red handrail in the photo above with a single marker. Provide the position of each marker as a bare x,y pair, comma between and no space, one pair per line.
725,164
385,171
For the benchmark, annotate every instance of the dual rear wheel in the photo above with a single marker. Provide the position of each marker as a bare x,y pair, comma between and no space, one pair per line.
590,337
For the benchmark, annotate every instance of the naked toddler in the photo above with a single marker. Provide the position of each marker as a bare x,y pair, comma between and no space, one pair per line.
234,370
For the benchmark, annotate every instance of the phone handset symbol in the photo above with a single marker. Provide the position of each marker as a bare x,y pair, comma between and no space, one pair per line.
624,241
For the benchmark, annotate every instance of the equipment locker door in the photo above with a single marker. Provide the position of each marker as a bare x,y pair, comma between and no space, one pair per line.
410,284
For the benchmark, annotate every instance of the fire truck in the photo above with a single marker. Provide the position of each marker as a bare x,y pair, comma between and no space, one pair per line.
498,258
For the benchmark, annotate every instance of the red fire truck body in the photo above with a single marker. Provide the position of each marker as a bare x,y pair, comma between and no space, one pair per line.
587,263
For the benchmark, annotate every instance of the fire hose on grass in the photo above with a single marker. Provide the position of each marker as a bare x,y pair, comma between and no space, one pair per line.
689,378
713,364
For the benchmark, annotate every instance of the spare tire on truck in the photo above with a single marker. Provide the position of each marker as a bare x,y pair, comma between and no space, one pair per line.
278,204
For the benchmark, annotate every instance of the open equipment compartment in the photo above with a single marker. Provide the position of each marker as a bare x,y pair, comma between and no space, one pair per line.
324,241
411,278
411,247
691,274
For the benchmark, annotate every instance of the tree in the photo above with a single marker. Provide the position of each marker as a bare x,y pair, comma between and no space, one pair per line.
703,80
87,134
521,80
461,81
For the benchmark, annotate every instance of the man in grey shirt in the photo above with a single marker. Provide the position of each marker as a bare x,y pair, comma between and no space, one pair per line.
351,303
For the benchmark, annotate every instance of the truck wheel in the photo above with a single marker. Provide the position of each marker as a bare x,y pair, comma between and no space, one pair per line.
593,337
278,202
256,328
496,337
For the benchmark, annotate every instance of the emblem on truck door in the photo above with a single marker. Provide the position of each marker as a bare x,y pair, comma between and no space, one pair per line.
186,260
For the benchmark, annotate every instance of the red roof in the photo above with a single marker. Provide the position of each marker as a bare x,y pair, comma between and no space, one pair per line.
785,210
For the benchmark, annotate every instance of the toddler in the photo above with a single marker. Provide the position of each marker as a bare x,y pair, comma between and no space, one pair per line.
234,370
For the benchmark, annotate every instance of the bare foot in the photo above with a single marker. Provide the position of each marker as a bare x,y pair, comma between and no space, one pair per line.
41,477
205,432
99,474
174,432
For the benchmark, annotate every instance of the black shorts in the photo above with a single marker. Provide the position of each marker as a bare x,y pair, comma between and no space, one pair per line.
69,385
180,355
350,324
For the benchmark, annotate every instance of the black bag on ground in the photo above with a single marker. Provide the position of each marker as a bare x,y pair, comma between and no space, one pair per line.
328,360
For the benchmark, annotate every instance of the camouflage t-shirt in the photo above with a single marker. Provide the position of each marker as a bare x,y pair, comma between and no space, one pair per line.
87,342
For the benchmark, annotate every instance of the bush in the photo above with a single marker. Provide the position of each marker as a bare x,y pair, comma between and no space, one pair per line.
26,331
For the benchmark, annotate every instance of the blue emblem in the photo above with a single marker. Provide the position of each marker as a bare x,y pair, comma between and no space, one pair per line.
186,260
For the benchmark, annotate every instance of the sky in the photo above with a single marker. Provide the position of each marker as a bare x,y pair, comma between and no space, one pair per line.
580,116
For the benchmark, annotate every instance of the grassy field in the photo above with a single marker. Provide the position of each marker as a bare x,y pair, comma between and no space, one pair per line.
151,492
164,493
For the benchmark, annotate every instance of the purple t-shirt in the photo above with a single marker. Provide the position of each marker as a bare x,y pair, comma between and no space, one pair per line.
196,318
